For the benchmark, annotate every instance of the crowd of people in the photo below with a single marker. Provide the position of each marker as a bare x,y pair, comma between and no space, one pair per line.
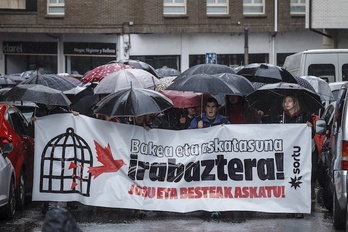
235,111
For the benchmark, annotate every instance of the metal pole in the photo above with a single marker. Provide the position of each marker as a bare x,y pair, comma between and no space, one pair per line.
246,46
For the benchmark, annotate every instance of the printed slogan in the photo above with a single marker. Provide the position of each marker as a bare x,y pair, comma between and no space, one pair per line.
231,167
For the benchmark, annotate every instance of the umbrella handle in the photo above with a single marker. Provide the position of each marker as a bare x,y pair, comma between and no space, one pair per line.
202,105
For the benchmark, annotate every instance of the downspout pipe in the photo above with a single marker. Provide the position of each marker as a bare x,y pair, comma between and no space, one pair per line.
310,22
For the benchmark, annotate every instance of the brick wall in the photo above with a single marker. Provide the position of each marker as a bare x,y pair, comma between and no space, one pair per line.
107,16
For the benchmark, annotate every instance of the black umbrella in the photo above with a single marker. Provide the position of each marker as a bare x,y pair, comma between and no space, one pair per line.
38,94
266,73
300,81
270,97
204,83
16,78
135,102
88,91
85,105
243,86
304,83
204,69
321,87
126,78
165,71
3,91
139,65
30,73
85,101
6,82
51,80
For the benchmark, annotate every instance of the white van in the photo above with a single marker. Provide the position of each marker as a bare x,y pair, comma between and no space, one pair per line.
329,64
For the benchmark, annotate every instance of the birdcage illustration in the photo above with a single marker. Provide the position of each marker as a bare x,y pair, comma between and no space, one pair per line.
64,165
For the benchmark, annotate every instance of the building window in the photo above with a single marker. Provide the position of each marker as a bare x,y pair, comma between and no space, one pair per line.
251,7
14,5
55,7
231,60
217,7
174,7
298,7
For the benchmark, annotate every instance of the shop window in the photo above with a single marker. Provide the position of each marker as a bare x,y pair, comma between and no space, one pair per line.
174,7
217,7
55,7
16,5
252,7
298,7
172,61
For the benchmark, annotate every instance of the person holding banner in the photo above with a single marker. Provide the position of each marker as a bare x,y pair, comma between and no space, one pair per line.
237,111
211,117
186,119
45,110
293,113
141,120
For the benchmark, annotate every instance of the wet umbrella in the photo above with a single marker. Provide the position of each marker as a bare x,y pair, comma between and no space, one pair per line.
304,83
165,82
126,78
85,105
321,87
266,73
165,71
3,91
17,78
135,102
270,97
74,80
139,65
242,85
51,80
84,101
70,77
204,83
204,69
89,90
236,69
300,81
38,94
74,90
6,81
182,99
30,73
98,73
71,93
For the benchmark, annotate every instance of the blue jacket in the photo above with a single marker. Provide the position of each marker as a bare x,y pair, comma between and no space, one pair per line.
220,119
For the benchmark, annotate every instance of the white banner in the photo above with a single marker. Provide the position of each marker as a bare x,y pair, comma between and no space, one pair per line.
251,167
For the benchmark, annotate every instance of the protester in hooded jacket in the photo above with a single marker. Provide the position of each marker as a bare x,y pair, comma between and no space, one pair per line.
211,117
238,111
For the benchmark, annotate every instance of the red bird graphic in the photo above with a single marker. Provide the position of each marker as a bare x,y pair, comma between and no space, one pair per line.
104,156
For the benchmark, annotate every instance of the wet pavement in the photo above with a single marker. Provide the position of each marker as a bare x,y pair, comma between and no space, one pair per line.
96,219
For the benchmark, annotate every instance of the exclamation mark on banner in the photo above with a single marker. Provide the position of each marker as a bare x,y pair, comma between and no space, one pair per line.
279,160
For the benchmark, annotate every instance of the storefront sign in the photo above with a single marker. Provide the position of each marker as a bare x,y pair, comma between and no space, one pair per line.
29,48
90,49
210,58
